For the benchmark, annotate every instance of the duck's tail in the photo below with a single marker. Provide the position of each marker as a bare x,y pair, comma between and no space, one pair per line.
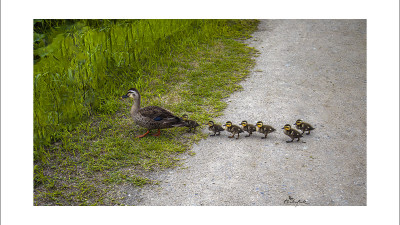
177,122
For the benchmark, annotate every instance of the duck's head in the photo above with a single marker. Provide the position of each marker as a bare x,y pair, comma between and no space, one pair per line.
244,123
298,122
185,117
132,93
228,124
210,123
259,124
287,127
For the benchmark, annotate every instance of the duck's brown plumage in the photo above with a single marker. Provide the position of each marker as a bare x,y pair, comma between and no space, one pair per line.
214,128
249,128
292,133
303,126
234,129
190,123
151,117
264,129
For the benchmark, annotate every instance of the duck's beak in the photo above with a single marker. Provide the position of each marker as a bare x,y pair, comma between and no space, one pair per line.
124,96
283,128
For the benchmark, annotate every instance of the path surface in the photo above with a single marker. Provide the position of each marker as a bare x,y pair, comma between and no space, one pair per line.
309,69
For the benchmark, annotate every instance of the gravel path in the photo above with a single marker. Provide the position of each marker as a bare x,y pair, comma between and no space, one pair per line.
309,69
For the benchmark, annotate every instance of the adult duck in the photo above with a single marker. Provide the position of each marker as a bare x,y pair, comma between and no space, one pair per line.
151,117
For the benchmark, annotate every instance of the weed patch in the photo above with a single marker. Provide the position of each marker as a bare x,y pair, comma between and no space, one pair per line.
85,141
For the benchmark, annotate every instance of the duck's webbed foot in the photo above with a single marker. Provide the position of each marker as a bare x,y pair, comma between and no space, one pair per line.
157,134
140,136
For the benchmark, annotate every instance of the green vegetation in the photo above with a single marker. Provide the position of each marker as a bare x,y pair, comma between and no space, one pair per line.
84,145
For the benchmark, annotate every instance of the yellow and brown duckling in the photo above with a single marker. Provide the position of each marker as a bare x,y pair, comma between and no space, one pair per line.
303,126
214,128
292,133
234,129
264,129
249,128
190,123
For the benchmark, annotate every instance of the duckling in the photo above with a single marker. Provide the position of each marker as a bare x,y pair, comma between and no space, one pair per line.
303,126
250,128
214,128
292,133
190,123
151,117
264,129
234,129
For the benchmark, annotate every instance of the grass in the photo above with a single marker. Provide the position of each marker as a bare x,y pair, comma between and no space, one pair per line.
86,163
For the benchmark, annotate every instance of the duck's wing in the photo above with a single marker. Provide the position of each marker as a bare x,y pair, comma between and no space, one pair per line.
296,133
271,129
219,128
193,123
240,130
159,114
308,126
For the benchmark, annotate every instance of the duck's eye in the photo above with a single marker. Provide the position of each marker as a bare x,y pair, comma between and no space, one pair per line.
133,93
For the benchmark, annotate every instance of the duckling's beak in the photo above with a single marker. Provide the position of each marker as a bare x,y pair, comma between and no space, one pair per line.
294,124
224,125
124,96
283,128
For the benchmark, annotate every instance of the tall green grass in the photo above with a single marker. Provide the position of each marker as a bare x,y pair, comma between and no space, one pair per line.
85,148
83,66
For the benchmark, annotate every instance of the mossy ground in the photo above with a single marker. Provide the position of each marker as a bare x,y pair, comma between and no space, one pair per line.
85,165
